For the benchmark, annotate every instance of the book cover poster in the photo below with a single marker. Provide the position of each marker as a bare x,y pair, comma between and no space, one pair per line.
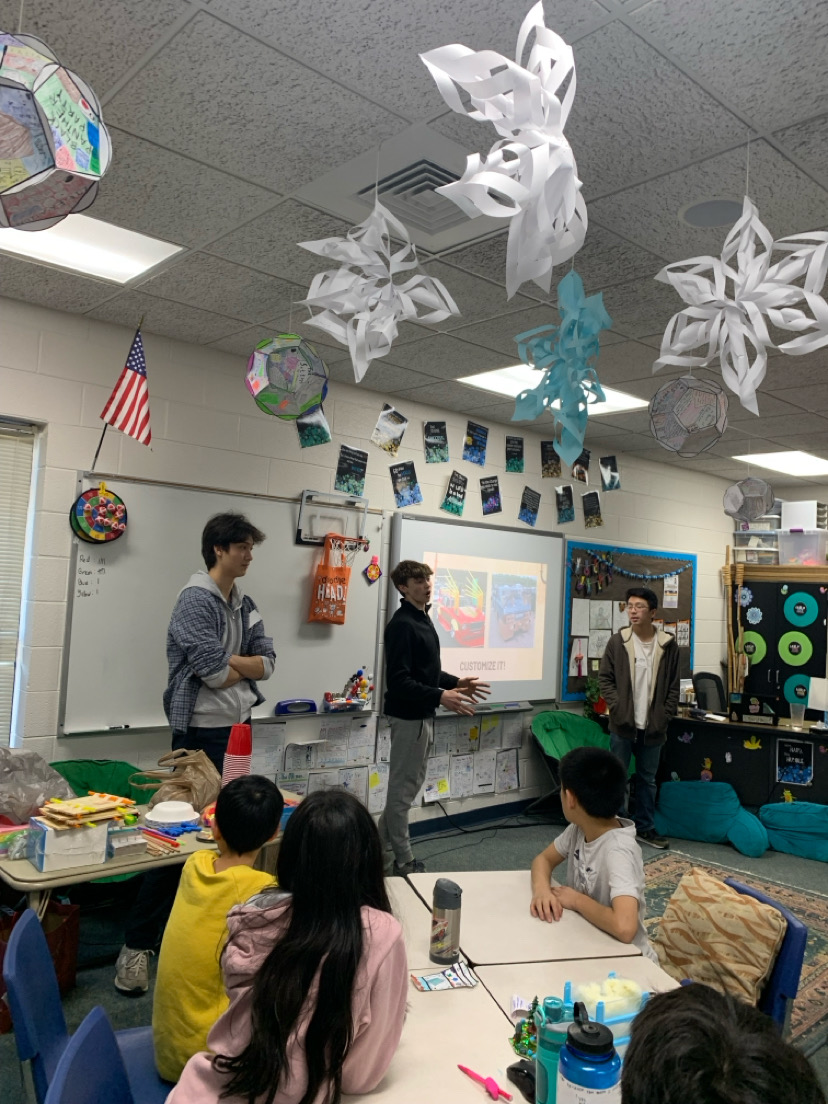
474,447
610,477
529,506
580,469
591,503
455,498
435,442
514,454
550,461
565,502
350,470
313,428
389,430
404,481
490,495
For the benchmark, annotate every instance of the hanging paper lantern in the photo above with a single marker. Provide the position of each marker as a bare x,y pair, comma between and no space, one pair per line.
98,515
54,147
286,376
688,415
748,499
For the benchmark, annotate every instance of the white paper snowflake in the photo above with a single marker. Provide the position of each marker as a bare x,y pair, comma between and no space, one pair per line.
746,596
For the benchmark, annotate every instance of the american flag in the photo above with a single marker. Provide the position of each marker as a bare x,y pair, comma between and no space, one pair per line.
127,408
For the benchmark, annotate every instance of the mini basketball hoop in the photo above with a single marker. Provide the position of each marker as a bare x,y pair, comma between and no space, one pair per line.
343,549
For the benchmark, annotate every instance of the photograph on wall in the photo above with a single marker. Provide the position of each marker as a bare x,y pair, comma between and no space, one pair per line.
610,478
580,469
435,442
529,506
514,454
550,461
404,481
565,501
795,762
313,428
490,495
474,446
591,503
389,430
455,498
350,470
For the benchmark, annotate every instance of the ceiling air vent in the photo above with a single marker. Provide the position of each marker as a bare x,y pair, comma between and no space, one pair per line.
409,193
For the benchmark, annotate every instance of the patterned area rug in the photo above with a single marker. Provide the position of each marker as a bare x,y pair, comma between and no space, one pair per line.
809,1020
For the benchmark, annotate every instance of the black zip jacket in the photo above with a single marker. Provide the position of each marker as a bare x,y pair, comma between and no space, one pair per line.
414,682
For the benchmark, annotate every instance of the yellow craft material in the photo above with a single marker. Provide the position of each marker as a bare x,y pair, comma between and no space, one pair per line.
621,996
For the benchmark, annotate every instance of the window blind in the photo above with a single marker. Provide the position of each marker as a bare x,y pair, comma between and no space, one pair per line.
16,448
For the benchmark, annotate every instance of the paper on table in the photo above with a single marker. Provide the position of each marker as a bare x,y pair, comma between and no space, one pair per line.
462,776
323,780
598,640
484,771
580,617
383,741
377,787
578,657
506,771
620,617
512,731
436,779
491,729
355,780
600,614
671,592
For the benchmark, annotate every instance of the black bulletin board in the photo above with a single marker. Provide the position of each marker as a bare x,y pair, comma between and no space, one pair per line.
613,569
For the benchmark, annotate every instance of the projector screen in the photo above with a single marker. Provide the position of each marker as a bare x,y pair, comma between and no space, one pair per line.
496,601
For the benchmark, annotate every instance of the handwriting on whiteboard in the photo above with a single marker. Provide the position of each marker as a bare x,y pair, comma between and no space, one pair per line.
88,575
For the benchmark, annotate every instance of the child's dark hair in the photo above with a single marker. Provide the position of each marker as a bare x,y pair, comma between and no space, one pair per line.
597,778
330,861
649,596
409,569
224,530
248,811
695,1044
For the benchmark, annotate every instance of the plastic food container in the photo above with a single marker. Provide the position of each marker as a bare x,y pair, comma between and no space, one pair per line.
808,547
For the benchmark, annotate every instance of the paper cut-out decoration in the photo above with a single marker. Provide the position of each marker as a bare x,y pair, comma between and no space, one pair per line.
360,303
731,300
54,147
530,175
748,499
688,415
565,354
286,376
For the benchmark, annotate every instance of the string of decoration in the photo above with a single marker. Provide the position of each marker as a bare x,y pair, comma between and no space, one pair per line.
609,563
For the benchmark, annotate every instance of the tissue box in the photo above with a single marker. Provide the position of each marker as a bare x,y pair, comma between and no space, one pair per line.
59,849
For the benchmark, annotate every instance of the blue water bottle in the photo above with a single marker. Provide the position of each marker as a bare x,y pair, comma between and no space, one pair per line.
589,1069
551,1037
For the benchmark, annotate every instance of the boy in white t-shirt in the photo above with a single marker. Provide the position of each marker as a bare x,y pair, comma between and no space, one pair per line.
604,868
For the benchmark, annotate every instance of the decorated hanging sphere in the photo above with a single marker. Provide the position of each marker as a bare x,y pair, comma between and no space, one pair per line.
688,415
748,499
286,376
54,147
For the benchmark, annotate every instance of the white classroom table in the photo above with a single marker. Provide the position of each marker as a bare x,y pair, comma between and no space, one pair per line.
496,926
415,919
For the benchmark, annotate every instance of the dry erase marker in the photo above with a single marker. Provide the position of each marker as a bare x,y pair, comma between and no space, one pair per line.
115,728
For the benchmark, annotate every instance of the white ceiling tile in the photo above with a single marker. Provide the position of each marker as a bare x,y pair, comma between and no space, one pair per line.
450,395
50,287
444,357
499,333
162,316
641,307
385,376
476,298
785,425
809,143
769,407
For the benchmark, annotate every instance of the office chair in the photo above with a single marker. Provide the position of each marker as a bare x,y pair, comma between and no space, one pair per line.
40,1030
91,1069
710,692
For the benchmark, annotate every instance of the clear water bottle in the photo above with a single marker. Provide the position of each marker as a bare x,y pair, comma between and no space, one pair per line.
589,1069
445,922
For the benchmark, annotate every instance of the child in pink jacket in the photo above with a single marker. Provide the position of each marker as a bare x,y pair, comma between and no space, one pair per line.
315,971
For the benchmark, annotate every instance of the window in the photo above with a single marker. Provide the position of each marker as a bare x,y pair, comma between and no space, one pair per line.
16,449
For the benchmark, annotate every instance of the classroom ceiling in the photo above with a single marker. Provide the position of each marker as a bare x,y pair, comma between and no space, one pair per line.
240,127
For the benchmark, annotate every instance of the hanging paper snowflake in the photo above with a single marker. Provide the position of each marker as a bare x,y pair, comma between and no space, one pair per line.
748,499
286,376
745,596
530,176
565,354
731,300
754,615
688,415
363,288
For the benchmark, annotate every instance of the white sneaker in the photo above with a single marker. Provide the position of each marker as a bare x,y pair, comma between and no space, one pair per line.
132,971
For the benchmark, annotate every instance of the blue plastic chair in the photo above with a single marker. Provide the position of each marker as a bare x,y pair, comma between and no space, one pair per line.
91,1069
40,1028
782,985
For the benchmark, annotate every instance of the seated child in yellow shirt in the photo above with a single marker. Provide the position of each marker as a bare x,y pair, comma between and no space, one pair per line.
189,990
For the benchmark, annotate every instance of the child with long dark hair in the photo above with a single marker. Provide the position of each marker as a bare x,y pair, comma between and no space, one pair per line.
315,971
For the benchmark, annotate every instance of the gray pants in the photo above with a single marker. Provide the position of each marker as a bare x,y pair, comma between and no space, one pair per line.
410,741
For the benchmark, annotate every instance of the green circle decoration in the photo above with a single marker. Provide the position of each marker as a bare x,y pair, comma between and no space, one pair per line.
801,609
795,649
755,647
800,682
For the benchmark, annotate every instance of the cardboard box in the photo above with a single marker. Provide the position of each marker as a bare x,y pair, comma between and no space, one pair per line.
60,849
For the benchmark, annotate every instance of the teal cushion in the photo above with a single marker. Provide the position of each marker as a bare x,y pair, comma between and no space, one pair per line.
797,828
748,834
696,810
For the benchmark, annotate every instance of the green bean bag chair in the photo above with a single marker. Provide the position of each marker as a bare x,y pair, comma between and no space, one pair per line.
797,828
558,732
710,812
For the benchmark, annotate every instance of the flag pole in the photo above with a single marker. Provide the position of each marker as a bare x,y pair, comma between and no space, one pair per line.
106,424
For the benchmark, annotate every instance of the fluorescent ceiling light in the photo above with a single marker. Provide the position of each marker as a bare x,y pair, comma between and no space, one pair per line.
789,463
90,246
517,377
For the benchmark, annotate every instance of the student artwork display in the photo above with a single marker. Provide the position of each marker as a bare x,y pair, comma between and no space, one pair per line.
474,446
435,443
748,499
610,477
514,454
688,415
455,498
529,175
98,516
566,356
313,428
733,299
389,430
565,501
529,506
350,470
286,376
550,461
490,495
54,142
580,468
591,503
361,303
404,481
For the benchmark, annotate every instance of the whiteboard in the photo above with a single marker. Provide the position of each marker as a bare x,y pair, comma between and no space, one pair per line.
121,596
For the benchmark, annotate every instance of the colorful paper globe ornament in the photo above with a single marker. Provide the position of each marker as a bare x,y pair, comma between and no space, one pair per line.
688,415
748,499
54,147
286,376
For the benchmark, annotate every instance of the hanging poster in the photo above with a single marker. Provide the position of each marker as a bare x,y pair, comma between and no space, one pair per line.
436,779
591,503
610,479
474,446
550,461
313,428
620,617
671,592
404,481
484,771
455,498
600,613
565,502
435,442
580,469
795,762
490,495
389,430
350,471
514,454
529,506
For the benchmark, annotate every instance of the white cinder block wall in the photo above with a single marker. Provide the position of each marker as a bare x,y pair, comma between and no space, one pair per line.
58,369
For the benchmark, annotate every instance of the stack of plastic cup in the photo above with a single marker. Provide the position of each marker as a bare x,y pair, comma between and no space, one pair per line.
239,753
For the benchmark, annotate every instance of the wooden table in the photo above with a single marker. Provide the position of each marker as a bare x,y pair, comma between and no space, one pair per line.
496,926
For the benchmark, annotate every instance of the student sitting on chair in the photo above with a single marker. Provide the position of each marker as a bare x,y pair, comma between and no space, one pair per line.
316,971
694,1044
604,867
189,991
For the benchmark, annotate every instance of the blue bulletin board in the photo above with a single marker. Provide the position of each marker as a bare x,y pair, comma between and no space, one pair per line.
596,578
